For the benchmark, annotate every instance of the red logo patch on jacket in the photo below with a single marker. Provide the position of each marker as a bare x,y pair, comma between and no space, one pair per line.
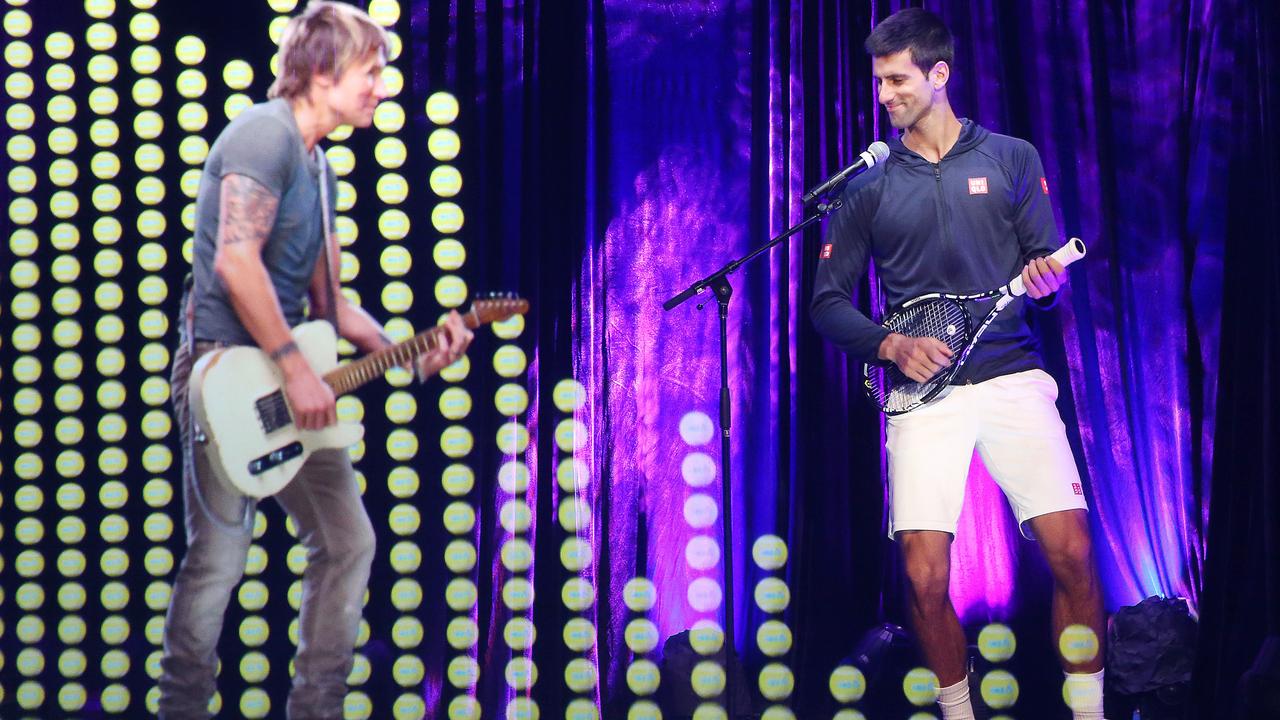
826,251
1044,185
978,186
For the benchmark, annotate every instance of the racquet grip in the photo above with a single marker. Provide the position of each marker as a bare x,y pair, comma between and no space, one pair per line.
1065,255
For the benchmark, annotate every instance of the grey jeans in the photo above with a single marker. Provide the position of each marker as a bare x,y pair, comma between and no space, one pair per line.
324,502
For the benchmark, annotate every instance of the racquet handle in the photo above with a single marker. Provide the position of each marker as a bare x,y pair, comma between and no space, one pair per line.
1065,255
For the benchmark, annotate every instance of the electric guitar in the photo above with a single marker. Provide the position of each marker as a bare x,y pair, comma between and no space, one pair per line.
237,395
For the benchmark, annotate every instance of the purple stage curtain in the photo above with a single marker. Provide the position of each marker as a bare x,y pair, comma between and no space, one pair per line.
621,150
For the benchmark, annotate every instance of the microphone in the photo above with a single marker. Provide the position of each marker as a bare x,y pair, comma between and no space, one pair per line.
878,152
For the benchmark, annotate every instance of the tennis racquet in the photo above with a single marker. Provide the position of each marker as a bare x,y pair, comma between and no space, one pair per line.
945,317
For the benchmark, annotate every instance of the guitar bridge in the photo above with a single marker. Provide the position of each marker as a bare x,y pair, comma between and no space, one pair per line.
273,412
259,465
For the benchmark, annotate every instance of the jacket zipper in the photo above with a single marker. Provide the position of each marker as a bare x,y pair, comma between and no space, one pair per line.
944,216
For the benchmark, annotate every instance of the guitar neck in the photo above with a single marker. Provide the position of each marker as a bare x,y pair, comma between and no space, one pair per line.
352,375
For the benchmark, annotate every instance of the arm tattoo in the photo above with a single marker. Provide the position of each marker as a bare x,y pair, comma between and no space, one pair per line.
247,211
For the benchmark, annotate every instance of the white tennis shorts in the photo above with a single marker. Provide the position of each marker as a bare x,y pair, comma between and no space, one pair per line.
1013,422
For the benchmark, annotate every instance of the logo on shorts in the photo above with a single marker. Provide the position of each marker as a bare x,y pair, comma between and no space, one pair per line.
1075,488
1044,185
826,251
978,186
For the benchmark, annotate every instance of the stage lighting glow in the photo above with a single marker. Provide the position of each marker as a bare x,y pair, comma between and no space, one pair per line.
390,152
145,59
192,83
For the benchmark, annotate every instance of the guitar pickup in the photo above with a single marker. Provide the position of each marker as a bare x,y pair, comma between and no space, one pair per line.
279,456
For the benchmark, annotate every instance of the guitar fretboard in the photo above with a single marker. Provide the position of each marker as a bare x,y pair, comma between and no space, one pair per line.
352,375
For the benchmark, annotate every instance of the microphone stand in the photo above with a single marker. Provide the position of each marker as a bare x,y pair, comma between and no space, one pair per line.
718,282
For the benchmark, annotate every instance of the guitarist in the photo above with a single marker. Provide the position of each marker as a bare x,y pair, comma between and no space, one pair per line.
261,249
959,209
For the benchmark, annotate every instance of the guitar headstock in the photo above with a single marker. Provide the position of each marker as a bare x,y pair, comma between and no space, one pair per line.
496,307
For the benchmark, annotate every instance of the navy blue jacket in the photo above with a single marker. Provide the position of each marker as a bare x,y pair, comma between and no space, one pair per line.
967,224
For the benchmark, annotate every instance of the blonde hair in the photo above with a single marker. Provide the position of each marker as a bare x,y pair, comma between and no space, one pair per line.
325,39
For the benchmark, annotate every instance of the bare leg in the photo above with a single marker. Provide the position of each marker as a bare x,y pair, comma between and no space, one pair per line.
927,556
1077,594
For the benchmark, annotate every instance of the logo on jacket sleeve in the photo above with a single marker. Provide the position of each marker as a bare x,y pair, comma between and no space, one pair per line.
978,186
826,251
1044,185
1075,488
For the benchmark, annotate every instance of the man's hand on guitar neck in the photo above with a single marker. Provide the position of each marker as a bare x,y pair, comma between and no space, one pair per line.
917,358
310,399
453,340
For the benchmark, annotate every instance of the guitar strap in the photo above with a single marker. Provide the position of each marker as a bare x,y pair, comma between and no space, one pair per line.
331,307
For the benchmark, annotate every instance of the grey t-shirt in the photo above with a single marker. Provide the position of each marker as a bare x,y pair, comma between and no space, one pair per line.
262,143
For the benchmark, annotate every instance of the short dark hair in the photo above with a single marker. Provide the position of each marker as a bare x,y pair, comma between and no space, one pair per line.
917,30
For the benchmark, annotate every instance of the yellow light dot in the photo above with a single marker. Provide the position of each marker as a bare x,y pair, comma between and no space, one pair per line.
394,80
509,361
60,77
21,148
193,150
19,85
103,68
150,190
447,218
192,83
446,181
61,109
384,12
238,75
147,92
144,27
148,125
444,144
100,9
920,687
390,152
59,45
107,230
442,108
17,23
20,116
105,165
18,54
103,100
101,36
63,140
389,117
145,59
392,189
190,50
847,684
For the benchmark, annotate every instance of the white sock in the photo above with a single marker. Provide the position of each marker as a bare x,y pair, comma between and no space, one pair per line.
1084,691
954,701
